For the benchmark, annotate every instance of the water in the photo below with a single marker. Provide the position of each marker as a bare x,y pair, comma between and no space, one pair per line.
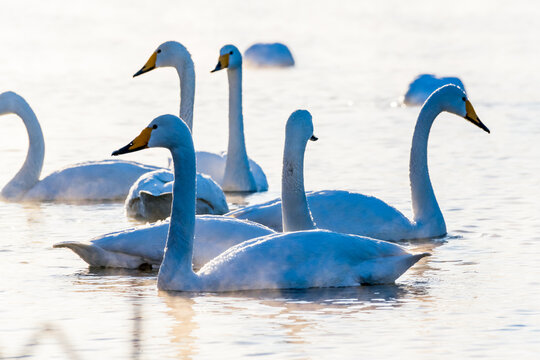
478,295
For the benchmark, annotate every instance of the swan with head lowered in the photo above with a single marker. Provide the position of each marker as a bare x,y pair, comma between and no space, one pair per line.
150,196
233,170
355,213
302,259
89,181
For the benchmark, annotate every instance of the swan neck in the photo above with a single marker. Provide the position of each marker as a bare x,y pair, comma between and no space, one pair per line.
237,169
425,206
28,175
294,209
186,74
177,260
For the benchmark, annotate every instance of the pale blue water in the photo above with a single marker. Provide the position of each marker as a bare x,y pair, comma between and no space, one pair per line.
478,295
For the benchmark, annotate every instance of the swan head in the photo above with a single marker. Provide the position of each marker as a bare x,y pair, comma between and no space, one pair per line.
167,131
229,57
299,128
454,100
10,102
170,53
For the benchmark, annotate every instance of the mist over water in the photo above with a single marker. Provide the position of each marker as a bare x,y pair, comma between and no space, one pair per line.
478,295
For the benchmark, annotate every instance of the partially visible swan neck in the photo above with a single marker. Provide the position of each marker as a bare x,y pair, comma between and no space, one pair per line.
177,260
294,207
425,207
28,176
186,73
237,176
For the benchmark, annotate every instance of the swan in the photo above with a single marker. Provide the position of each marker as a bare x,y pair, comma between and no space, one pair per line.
93,180
268,55
355,213
424,84
150,196
233,173
302,259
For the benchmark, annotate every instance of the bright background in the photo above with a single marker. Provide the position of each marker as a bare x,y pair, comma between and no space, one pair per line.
477,296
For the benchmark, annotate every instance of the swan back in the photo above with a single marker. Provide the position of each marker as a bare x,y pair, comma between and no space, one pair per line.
28,176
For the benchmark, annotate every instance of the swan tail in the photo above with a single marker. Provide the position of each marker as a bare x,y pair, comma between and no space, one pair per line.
387,270
94,255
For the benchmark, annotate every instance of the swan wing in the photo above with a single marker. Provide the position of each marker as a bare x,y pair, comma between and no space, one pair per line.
339,211
95,180
133,247
305,259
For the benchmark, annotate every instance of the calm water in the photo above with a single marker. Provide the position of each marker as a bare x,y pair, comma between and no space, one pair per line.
477,296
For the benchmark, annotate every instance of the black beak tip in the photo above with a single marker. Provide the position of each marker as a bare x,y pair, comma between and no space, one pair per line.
313,138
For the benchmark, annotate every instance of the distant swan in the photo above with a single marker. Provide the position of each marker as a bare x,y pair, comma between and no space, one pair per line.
93,180
268,55
354,213
150,196
302,259
425,84
233,170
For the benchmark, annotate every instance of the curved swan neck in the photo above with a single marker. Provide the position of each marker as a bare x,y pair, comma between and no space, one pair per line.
294,207
237,175
425,207
186,73
177,259
28,175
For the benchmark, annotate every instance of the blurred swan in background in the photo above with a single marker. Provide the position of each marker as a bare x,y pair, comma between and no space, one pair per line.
150,196
424,85
354,213
315,258
266,55
88,181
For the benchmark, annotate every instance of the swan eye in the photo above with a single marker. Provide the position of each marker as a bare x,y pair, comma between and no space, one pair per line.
464,98
231,52
159,50
154,127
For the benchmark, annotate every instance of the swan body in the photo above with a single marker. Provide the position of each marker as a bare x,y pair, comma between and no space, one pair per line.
354,213
268,55
425,84
137,246
89,181
292,260
233,170
150,196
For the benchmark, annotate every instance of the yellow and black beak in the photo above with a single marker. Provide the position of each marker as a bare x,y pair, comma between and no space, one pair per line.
313,138
472,117
223,62
150,65
139,143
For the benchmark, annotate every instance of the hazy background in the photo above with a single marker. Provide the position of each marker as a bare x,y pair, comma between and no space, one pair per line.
478,295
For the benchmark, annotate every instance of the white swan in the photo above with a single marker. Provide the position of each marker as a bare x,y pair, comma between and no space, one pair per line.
233,170
233,173
150,197
354,213
93,180
268,55
425,84
302,259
